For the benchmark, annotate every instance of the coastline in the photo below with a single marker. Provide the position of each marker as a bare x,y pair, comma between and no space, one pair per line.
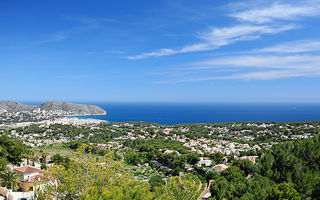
105,113
86,117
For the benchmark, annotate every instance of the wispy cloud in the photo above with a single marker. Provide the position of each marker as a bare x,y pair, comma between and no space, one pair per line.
293,47
263,75
254,67
225,36
166,52
262,61
278,11
255,22
217,37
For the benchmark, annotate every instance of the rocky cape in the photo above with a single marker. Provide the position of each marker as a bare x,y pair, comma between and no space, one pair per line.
70,108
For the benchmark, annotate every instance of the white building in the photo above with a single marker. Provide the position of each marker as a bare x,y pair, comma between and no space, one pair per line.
29,175
204,161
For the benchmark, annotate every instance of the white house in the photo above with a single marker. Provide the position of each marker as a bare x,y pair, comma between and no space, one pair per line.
27,172
204,161
29,175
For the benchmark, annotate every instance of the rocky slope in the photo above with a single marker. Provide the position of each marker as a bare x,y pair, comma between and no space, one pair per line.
12,106
70,108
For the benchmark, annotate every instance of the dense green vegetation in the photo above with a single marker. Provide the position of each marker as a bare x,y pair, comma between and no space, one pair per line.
288,171
277,130
85,178
152,150
11,150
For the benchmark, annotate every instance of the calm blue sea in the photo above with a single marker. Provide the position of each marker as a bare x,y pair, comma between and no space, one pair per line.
175,113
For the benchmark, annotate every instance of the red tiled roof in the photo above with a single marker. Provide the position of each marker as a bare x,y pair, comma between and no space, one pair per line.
27,169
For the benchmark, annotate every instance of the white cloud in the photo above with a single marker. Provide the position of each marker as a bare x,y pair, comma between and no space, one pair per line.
256,21
292,59
217,37
263,61
268,75
261,75
255,67
278,11
264,75
160,52
225,36
293,47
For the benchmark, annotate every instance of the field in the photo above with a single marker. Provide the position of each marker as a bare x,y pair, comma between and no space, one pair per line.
54,149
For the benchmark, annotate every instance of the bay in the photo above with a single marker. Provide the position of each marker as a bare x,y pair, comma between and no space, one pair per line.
175,113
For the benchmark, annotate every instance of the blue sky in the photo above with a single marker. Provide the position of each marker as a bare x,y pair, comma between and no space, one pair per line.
160,51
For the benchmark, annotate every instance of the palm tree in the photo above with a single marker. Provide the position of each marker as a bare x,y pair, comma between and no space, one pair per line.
3,164
30,156
34,159
43,158
10,180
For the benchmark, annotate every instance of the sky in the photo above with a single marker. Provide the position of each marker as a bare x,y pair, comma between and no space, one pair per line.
160,51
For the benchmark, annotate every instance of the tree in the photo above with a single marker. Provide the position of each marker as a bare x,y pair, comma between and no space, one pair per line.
156,181
127,190
3,152
192,158
284,191
259,186
176,171
220,189
234,174
132,157
179,188
85,178
3,164
217,157
43,158
246,165
83,174
12,150
10,180
57,159
210,175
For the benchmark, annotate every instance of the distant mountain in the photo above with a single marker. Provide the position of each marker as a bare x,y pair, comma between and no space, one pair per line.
71,108
12,106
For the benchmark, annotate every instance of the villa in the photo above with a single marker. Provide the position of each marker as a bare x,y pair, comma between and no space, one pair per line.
29,175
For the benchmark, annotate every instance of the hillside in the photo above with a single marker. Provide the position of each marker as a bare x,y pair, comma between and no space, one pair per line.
73,109
12,106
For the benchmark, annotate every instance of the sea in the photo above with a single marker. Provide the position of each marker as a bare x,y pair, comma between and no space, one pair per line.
177,113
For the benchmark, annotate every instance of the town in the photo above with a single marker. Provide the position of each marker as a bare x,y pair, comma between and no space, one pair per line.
145,149
27,117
